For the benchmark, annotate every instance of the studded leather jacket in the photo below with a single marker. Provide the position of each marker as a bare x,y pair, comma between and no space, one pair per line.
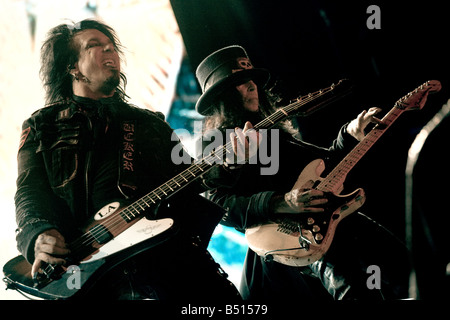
79,155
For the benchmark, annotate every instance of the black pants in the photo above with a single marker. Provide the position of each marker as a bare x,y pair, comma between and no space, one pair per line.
178,270
365,261
345,272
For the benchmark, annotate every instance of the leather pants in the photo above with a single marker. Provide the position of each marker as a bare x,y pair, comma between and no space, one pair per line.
364,262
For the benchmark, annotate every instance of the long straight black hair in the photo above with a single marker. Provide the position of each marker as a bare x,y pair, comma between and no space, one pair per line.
227,112
59,54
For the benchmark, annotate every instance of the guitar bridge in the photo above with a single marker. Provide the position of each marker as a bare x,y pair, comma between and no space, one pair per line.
304,242
49,273
295,229
315,226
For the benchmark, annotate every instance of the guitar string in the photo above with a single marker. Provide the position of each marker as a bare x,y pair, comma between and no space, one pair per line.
358,151
175,183
117,220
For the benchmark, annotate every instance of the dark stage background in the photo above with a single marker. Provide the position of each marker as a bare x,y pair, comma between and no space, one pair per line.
307,45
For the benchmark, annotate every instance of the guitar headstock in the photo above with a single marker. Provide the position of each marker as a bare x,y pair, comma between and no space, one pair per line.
416,99
314,101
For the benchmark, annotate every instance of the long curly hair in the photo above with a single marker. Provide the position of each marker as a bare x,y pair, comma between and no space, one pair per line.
59,54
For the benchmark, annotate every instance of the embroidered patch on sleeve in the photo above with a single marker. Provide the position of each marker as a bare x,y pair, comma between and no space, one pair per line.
24,136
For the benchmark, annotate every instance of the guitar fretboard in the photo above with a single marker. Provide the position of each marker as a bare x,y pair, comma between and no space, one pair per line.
336,178
175,184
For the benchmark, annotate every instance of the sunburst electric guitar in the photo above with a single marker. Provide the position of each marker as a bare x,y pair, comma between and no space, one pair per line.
117,231
306,239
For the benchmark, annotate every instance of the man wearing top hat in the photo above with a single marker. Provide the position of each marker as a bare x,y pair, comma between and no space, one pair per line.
234,96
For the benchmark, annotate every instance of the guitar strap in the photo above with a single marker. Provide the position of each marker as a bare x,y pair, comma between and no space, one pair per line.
127,179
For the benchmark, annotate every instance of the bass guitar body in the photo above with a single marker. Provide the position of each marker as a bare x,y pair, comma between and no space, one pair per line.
71,281
303,239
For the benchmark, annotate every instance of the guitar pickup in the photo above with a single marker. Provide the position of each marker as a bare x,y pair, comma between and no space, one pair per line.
100,234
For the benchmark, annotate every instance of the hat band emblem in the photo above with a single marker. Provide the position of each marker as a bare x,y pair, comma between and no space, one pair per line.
243,63
225,70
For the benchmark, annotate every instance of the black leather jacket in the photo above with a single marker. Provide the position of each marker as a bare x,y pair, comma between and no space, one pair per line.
71,163
246,194
342,272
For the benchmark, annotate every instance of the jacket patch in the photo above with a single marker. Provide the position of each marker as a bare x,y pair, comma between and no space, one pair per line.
127,184
128,146
24,136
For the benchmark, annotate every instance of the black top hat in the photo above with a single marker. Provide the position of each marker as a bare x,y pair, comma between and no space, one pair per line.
226,67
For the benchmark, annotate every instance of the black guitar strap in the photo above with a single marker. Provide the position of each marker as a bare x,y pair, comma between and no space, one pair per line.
127,179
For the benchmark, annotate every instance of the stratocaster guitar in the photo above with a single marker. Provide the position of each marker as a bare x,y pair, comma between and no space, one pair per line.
118,231
306,239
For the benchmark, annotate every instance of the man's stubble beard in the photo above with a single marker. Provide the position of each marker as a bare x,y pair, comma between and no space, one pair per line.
111,83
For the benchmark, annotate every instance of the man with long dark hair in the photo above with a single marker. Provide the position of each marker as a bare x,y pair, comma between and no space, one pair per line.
88,148
234,96
64,60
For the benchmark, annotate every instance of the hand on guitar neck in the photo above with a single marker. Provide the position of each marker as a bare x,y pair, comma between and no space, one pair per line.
245,142
357,126
305,199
